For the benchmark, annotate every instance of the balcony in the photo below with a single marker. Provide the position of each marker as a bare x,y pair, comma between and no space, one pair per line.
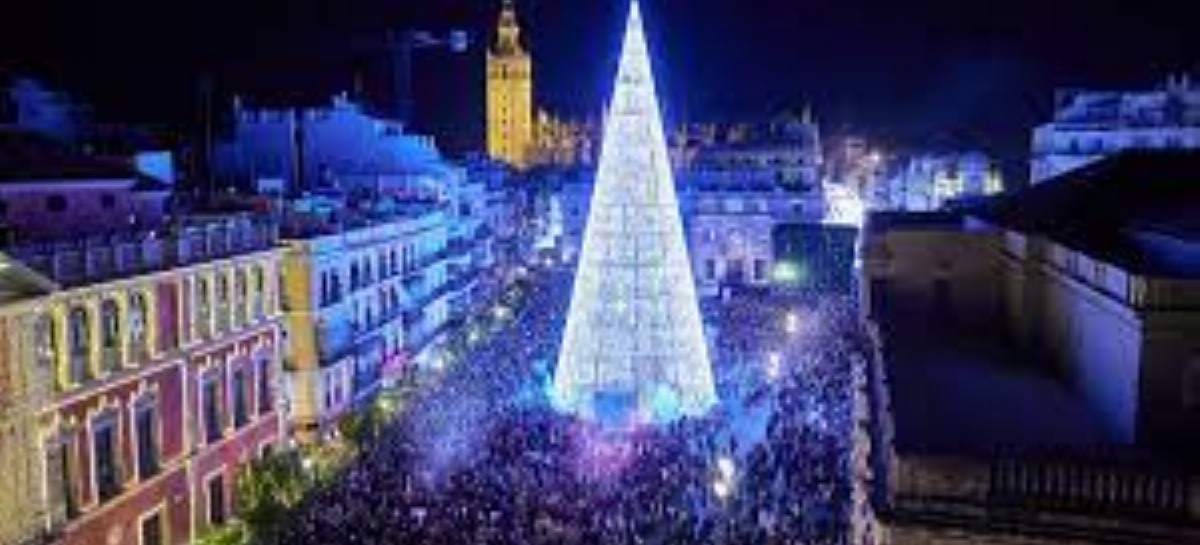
124,254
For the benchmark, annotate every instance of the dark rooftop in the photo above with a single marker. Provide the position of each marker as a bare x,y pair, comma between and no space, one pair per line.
27,156
1099,209
975,396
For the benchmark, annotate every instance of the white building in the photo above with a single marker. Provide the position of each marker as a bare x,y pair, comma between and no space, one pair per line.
364,301
332,146
927,182
1090,125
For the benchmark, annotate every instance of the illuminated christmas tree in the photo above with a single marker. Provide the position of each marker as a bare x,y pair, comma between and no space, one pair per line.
634,346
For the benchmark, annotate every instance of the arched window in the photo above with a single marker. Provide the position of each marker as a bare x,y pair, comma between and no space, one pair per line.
355,281
139,338
335,286
241,296
80,343
222,306
260,293
203,312
45,339
110,335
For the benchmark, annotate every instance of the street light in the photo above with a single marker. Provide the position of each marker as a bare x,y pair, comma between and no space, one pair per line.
773,361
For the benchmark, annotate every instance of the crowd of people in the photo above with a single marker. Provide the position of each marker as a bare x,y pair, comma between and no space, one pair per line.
481,456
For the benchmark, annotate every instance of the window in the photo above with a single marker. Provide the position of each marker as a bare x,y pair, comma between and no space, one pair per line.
710,269
264,386
760,270
104,452
62,457
110,335
736,272
240,409
212,409
108,201
260,292
45,341
146,428
203,307
216,500
241,296
56,203
138,337
80,344
222,307
152,530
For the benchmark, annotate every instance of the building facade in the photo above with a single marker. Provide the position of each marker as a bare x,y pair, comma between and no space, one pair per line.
927,182
510,110
363,304
1090,125
158,356
339,146
740,184
1073,305
22,520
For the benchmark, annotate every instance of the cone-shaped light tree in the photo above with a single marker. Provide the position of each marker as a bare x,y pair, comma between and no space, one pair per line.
634,345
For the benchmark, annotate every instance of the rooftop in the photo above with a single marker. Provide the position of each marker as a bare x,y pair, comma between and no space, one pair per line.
27,156
1103,209
973,396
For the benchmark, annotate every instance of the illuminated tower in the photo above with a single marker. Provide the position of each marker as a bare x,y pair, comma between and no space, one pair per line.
634,346
510,135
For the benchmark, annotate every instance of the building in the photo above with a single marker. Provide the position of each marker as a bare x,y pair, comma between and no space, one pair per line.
510,111
339,146
365,300
22,397
927,182
154,356
1060,400
45,188
563,143
740,183
785,152
1090,125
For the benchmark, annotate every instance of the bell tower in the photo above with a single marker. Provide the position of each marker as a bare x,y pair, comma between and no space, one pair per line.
510,131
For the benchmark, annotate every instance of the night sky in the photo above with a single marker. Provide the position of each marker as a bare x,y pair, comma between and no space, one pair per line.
909,73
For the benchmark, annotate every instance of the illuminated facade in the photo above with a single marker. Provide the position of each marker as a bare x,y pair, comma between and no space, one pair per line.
928,182
740,183
337,145
510,115
634,346
362,305
21,397
158,363
1090,125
